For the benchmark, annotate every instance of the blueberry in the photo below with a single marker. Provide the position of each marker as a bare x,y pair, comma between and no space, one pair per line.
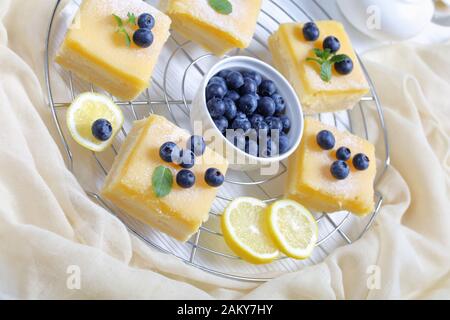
283,144
253,75
102,129
344,67
221,124
224,73
268,149
233,95
267,88
361,162
185,179
261,126
274,123
266,106
146,21
216,107
215,90
230,109
218,80
286,122
248,104
343,153
340,170
280,104
241,123
169,152
332,43
235,80
251,147
249,87
187,159
256,119
214,178
143,38
325,139
197,145
311,31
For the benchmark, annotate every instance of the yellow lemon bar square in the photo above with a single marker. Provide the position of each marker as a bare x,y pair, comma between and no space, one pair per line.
310,180
216,32
290,50
129,182
97,53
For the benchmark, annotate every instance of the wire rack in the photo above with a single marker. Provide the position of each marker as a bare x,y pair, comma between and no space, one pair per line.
172,84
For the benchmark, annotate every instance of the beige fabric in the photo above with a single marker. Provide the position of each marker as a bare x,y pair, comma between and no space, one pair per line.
47,223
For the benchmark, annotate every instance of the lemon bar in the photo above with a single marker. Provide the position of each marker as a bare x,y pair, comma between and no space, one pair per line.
311,183
97,53
290,50
129,182
216,32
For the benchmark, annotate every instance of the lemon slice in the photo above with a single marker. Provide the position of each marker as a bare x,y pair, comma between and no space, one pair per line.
84,111
293,228
245,231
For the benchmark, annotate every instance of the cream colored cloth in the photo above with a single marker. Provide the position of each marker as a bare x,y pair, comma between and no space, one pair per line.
48,224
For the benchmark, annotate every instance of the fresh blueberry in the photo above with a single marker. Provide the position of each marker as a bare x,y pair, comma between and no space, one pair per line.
325,139
169,152
274,123
253,75
221,124
214,178
197,145
283,144
241,123
267,88
215,90
311,31
343,153
102,129
146,21
361,162
280,104
266,106
249,87
143,38
344,67
248,104
187,159
340,170
332,43
251,147
216,107
230,109
255,119
218,80
233,95
224,73
262,128
185,179
235,80
286,122
268,149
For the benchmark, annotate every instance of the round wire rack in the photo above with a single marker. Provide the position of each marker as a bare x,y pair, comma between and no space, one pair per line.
180,69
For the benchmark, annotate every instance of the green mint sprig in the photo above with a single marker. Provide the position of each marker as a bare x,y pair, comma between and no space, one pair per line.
326,60
121,26
221,6
132,18
162,181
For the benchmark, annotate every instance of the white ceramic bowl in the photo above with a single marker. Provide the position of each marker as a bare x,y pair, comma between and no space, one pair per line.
203,124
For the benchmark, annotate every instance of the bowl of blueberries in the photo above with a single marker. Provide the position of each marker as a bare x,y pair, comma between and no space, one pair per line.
248,112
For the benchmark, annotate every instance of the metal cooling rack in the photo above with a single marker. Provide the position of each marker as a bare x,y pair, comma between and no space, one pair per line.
206,250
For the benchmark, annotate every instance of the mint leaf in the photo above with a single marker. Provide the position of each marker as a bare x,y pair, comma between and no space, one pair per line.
162,181
338,58
221,6
131,18
319,61
325,71
118,20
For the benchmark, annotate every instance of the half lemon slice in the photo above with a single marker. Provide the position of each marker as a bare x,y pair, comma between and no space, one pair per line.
293,228
84,111
245,231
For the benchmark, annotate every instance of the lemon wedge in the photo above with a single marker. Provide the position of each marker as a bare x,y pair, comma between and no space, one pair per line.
293,228
245,231
84,111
